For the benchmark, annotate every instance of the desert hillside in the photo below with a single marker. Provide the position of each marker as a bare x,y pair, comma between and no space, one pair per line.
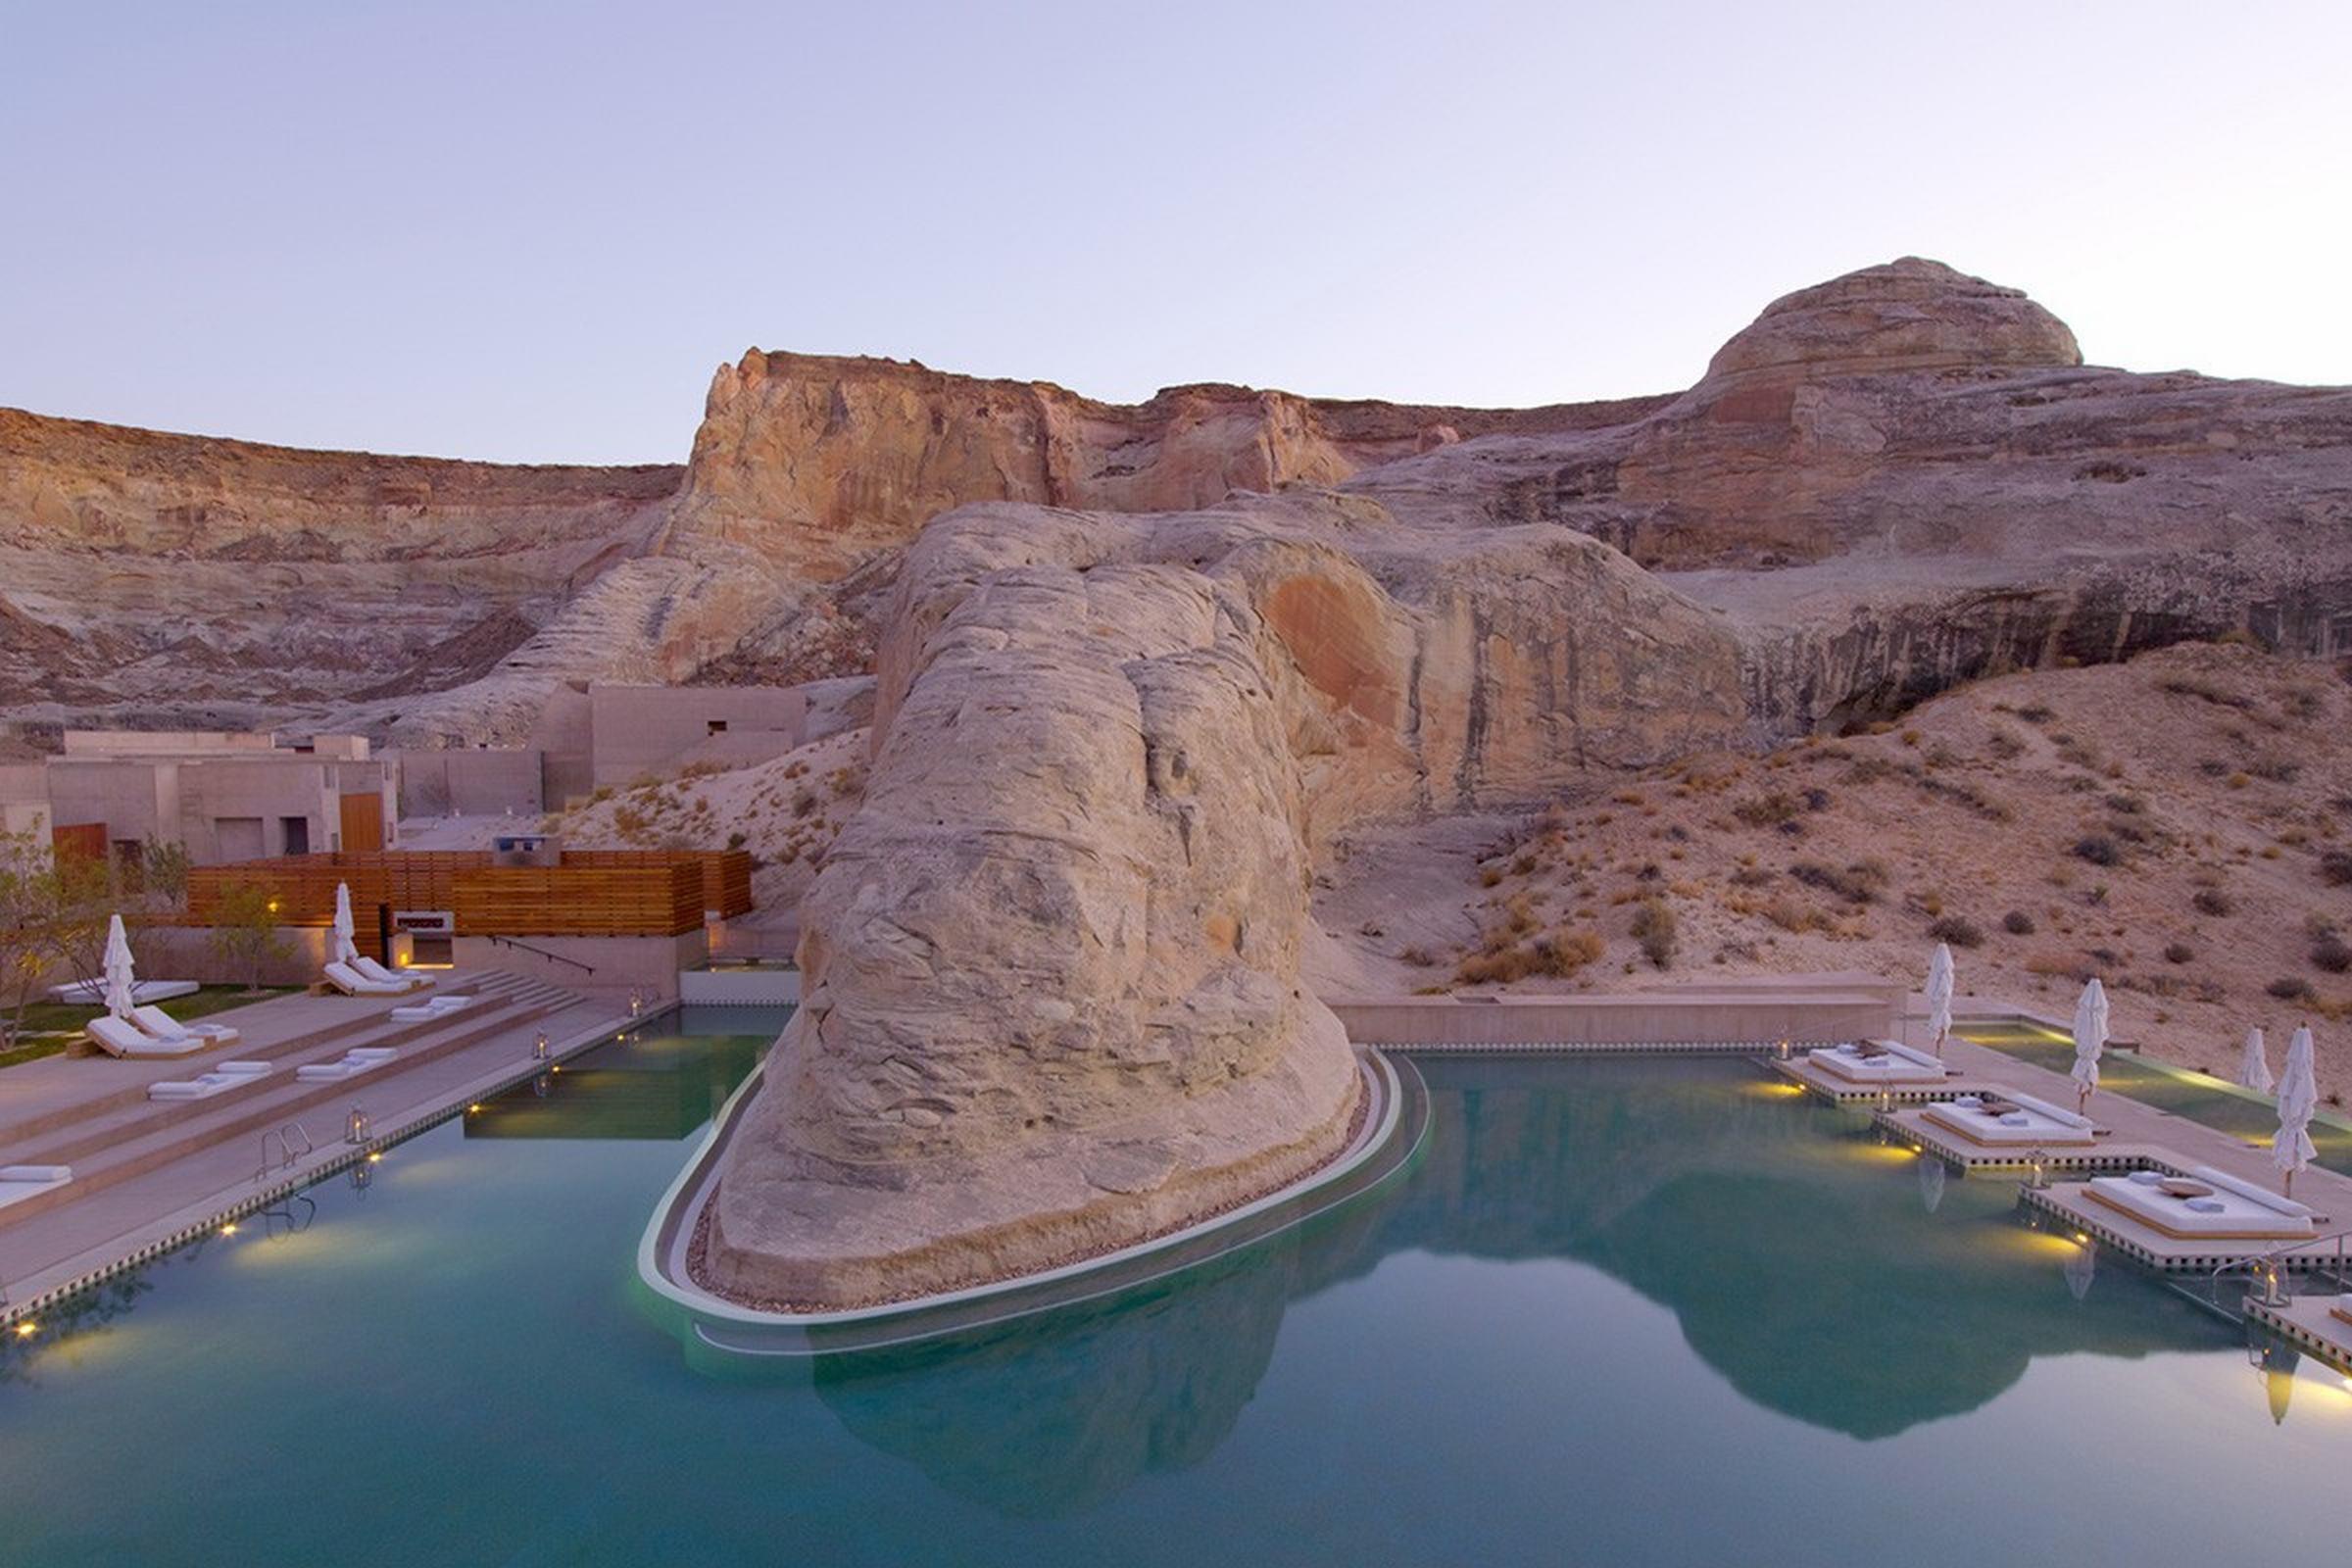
2180,826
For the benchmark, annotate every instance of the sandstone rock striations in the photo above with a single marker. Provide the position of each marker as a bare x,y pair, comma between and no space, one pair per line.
1051,967
1905,478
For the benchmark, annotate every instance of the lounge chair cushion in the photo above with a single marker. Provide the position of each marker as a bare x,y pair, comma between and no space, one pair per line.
36,1173
376,972
344,978
119,1038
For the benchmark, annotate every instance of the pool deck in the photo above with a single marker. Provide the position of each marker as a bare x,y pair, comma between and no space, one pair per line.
2309,1321
149,1176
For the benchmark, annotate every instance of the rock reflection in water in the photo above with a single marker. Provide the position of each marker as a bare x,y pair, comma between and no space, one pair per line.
1793,1248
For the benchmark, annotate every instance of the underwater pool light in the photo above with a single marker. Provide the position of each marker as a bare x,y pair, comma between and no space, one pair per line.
28,1329
230,1229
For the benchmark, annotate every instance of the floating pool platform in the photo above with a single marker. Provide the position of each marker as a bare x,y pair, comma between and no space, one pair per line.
1827,1085
2317,1322
2070,1205
2102,1154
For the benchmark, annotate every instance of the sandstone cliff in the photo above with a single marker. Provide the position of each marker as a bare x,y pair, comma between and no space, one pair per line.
1051,991
167,575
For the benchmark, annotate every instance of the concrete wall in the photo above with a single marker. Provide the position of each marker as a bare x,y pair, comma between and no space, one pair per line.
111,743
187,801
648,963
186,953
484,781
637,731
1761,1015
565,738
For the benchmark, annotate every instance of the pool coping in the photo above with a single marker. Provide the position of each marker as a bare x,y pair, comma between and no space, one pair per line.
668,1234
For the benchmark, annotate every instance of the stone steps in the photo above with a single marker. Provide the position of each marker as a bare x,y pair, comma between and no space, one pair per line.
127,1142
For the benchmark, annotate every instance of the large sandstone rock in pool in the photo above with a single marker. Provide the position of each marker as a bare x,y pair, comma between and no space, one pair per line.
1052,996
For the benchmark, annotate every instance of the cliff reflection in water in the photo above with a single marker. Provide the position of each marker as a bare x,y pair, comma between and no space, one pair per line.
1803,1262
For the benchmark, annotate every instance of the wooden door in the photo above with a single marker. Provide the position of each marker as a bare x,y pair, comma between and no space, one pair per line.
362,823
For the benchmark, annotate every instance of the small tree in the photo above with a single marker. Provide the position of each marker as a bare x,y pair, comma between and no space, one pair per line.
245,930
25,946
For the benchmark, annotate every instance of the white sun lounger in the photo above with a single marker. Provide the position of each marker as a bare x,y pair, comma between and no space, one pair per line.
222,1078
19,1181
2033,1122
163,1026
370,969
348,1065
344,978
2234,1208
437,1007
1899,1065
118,1037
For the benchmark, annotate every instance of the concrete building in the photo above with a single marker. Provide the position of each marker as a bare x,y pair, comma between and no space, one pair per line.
222,796
597,735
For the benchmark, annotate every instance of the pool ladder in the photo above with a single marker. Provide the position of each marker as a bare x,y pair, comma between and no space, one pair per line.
2269,1276
288,1149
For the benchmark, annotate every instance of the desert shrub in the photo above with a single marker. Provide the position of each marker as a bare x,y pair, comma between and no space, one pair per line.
1790,916
2213,901
1816,799
1859,883
2335,867
2331,954
1654,929
1958,930
2183,686
2004,745
1489,876
2290,988
2278,769
2036,713
2098,849
2125,804
2018,923
2179,953
1418,957
738,839
804,803
1767,809
628,821
1750,876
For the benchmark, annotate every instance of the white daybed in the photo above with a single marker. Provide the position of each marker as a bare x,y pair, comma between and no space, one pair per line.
2226,1207
161,1025
2021,1122
19,1181
348,1065
344,978
224,1077
120,1037
1899,1064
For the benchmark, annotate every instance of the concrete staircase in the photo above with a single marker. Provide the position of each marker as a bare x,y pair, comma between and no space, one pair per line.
117,1137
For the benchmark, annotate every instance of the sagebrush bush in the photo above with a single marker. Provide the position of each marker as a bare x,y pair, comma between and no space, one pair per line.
2018,923
1654,929
1958,930
2212,900
2098,850
2290,988
2331,954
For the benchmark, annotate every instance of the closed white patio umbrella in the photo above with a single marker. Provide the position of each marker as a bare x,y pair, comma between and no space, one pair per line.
2298,1101
122,994
2090,1038
2254,1064
1940,995
345,948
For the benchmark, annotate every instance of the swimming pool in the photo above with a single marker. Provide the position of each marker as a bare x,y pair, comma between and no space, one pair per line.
1619,1311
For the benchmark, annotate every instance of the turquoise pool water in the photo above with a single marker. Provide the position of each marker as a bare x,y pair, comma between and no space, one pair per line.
2198,1097
1619,1311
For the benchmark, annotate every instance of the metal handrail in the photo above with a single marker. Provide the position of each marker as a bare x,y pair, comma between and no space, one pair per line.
2266,1264
287,1153
544,954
